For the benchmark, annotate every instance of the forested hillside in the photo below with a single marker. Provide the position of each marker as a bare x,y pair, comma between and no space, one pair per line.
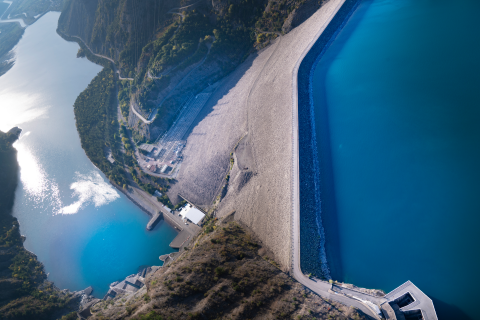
163,43
117,29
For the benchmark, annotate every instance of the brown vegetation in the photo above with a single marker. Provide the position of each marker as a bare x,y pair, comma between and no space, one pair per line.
223,275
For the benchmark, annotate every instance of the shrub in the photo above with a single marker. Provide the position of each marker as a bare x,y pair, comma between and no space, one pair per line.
151,316
220,271
70,316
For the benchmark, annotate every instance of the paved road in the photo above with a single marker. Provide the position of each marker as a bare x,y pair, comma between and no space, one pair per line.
104,57
8,20
152,115
190,5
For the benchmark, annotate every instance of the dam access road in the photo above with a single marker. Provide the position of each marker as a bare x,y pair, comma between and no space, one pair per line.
254,114
254,106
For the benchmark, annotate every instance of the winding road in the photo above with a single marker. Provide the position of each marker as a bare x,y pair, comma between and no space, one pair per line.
152,115
104,57
8,20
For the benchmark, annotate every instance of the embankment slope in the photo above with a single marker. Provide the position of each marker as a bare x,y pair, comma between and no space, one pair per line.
255,103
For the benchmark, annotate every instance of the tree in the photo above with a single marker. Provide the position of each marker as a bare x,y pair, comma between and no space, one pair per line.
261,38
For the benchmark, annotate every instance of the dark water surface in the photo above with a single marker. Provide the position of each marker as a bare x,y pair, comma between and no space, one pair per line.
82,229
397,98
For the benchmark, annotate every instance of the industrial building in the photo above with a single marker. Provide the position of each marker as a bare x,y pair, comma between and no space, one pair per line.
191,213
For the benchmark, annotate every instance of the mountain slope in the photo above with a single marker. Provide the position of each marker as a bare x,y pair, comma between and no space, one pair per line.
225,274
176,48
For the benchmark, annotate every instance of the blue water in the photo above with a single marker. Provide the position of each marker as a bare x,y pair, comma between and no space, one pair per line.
84,231
397,96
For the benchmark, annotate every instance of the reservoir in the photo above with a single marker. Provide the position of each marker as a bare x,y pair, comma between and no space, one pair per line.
82,229
397,113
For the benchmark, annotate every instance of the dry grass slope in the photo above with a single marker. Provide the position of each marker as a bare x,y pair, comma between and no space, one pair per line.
222,276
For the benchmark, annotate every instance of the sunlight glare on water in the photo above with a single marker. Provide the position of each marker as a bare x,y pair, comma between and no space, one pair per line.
90,188
81,228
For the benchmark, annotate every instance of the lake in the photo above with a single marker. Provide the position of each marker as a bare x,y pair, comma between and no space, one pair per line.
397,102
82,229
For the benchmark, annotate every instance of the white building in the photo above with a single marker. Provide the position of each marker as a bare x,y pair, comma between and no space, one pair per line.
191,213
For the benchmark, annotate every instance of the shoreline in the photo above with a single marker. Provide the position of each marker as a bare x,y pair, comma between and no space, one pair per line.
141,204
309,168
137,197
307,175
308,172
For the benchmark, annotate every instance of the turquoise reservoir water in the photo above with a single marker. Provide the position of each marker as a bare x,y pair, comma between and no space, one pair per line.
82,229
397,102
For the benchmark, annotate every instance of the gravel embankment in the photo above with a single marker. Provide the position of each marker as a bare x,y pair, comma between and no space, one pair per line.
255,99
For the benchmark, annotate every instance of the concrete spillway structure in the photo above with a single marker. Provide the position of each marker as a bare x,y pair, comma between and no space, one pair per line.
154,220
408,302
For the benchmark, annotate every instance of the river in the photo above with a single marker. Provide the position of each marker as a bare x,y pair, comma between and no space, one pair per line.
397,102
82,229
